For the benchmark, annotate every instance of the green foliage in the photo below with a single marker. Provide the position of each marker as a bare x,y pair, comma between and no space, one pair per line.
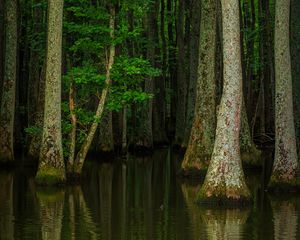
128,74
33,130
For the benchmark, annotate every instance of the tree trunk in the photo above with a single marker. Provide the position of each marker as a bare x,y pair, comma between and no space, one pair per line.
81,155
106,142
295,51
1,44
181,88
201,140
51,168
286,167
224,181
193,62
7,111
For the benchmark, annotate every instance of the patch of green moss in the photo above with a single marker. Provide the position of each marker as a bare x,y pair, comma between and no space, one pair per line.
50,176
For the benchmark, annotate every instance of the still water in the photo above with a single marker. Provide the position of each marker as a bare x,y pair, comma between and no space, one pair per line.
139,198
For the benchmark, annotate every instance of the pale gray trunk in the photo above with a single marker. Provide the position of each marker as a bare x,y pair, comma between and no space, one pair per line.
7,110
286,165
201,140
225,180
51,162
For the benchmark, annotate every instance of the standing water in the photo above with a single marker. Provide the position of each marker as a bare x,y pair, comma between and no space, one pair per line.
140,198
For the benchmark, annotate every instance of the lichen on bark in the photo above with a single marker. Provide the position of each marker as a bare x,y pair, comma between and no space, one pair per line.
286,166
224,182
201,140
51,170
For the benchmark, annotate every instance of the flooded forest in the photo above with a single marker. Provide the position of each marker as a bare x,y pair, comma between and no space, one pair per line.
149,119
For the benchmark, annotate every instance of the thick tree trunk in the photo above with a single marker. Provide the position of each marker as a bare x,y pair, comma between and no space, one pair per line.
286,167
1,44
295,54
193,62
201,140
7,111
81,155
224,181
51,168
181,88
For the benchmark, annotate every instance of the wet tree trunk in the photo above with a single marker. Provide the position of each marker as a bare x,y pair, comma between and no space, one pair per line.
81,155
51,168
201,140
193,62
181,88
224,181
286,167
7,111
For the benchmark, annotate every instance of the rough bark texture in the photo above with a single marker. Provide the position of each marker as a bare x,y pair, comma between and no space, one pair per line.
7,111
286,167
193,62
201,140
51,168
81,155
1,44
295,54
181,77
224,181
35,142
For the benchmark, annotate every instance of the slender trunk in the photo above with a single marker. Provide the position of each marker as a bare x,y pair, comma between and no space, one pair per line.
201,140
286,167
105,142
193,63
124,131
181,89
7,111
51,168
224,181
1,44
81,155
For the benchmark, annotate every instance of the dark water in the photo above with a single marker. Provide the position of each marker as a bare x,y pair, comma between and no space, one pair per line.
137,199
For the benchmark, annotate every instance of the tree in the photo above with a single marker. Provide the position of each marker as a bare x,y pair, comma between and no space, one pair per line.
286,166
201,140
7,111
51,168
224,181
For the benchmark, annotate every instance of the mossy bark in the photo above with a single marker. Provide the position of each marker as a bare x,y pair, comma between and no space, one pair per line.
202,136
51,168
7,110
286,166
224,182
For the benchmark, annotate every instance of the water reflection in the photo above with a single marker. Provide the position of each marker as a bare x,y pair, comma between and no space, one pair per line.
6,206
139,198
51,203
285,218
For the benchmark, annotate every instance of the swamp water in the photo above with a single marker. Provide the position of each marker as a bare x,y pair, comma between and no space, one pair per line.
140,198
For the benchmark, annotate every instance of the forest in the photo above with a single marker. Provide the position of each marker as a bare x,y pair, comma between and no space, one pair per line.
216,82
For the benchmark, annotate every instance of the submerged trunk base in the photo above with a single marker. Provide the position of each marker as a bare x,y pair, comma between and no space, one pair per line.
194,164
224,196
50,176
280,184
